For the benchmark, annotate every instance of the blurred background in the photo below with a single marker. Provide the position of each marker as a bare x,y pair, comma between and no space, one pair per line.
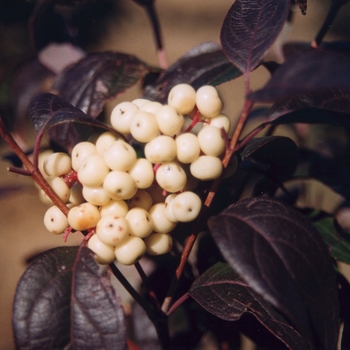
106,25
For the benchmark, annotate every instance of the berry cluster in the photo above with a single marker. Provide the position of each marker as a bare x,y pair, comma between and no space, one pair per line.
132,203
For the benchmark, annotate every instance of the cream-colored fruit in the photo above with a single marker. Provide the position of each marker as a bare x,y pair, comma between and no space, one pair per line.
211,141
183,98
142,199
206,168
83,216
80,151
122,115
120,185
169,120
160,222
92,171
120,156
104,252
142,172
187,148
57,164
158,243
186,206
140,222
144,126
115,208
171,177
96,195
130,251
208,101
55,221
112,229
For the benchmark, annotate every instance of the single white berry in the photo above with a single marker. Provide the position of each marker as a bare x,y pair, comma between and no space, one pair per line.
161,149
206,168
122,115
158,243
130,250
83,216
115,208
112,229
96,195
120,185
59,186
55,221
160,222
208,101
144,126
104,141
80,151
169,120
211,141
221,121
92,171
151,107
57,164
186,206
140,222
171,177
120,156
182,97
142,199
142,173
104,252
187,147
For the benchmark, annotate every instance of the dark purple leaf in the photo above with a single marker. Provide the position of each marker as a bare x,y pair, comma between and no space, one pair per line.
97,78
335,99
205,64
313,116
250,28
223,293
309,72
277,154
302,6
66,123
63,300
284,259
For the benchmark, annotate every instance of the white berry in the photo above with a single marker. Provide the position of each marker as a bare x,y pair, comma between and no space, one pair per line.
83,216
92,171
120,156
169,120
104,141
120,185
186,206
206,168
140,222
112,229
208,101
115,208
142,173
158,243
182,97
130,250
55,221
221,121
161,149
144,126
171,177
142,199
104,252
187,147
160,222
80,151
57,164
211,141
122,115
96,195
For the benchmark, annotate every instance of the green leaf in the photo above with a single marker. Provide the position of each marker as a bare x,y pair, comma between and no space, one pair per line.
339,246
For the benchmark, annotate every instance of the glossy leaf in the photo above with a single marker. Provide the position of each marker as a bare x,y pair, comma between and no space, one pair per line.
52,113
222,292
278,155
335,99
309,72
250,28
97,78
283,258
338,245
63,300
205,64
